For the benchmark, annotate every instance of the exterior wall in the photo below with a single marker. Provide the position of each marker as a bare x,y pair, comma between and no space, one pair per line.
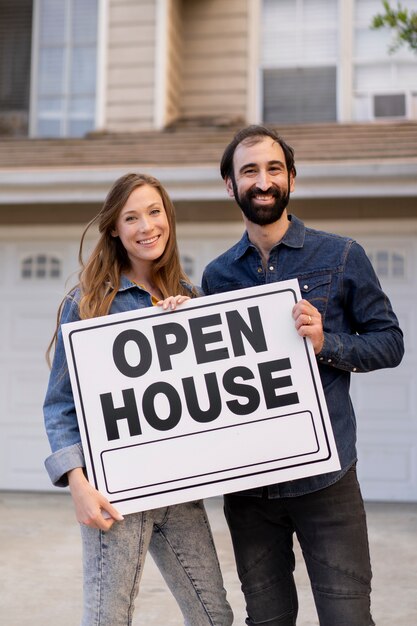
174,61
131,65
215,62
219,211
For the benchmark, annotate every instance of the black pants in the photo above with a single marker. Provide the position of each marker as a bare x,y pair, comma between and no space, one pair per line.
330,525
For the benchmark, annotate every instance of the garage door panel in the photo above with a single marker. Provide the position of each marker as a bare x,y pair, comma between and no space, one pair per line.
388,472
24,460
395,460
379,397
24,391
31,325
3,269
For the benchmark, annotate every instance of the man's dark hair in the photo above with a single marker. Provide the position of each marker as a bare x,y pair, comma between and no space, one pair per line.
255,133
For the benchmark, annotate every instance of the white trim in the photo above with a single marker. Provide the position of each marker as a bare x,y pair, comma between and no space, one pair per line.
254,94
161,63
101,81
375,227
34,69
68,48
344,96
45,231
210,230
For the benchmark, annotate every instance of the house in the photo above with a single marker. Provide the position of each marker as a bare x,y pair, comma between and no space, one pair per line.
90,90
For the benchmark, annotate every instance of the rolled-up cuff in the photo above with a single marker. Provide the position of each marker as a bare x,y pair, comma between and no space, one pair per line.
62,461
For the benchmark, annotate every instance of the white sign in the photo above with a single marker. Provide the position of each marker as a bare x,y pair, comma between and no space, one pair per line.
219,395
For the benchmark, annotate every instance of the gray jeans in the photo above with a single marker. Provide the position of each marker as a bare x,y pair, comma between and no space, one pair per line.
180,541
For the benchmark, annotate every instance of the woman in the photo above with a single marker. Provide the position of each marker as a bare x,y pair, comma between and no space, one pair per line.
134,264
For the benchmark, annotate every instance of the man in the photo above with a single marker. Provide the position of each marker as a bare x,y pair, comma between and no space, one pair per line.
352,327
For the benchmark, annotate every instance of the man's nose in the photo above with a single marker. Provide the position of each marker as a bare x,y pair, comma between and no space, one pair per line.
263,181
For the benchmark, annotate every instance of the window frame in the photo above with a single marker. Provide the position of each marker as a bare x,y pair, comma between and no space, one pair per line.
63,117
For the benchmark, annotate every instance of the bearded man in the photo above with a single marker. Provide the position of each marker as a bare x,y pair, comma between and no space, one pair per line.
352,327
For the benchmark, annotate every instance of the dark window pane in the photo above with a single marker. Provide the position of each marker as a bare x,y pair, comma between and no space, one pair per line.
300,95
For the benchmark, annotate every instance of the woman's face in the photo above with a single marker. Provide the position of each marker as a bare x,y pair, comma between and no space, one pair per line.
142,226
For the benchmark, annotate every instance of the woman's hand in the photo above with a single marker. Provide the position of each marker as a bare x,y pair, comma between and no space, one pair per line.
91,507
308,323
172,301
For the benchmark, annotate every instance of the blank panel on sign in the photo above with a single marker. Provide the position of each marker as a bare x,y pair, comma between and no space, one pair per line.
134,467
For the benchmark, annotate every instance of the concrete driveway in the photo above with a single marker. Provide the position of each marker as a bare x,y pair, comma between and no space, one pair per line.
40,566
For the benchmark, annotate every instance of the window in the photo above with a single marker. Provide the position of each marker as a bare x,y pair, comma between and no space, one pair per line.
299,60
65,68
388,264
384,84
41,266
320,61
390,105
15,47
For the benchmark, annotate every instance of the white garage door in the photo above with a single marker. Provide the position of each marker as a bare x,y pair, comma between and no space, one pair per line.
34,268
35,265
386,401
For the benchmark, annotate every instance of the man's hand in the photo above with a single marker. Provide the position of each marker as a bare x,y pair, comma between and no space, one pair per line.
308,323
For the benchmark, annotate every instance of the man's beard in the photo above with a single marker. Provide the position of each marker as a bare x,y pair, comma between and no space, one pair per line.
260,214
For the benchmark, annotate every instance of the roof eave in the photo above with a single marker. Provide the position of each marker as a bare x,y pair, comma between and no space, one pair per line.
203,182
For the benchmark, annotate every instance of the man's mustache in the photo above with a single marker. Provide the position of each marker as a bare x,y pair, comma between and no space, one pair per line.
271,191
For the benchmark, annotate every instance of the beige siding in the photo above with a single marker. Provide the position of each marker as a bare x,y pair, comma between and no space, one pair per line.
174,61
215,61
130,97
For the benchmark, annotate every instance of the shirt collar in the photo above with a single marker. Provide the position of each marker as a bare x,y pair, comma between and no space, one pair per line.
125,283
293,238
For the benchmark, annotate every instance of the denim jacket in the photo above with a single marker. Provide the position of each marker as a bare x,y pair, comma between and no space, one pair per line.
361,331
59,408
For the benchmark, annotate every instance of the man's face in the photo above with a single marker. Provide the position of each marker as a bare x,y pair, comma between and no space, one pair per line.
260,184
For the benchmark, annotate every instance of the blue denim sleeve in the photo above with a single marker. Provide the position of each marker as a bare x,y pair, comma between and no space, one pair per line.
373,338
59,410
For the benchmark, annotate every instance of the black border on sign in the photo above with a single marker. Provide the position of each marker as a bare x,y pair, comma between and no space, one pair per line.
201,306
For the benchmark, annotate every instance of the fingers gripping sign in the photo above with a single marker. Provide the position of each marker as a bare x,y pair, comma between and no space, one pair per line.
91,507
309,324
172,301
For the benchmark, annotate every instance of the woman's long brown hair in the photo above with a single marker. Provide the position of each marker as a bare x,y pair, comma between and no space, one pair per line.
99,277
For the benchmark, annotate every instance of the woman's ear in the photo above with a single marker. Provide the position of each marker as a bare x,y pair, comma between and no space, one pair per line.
114,232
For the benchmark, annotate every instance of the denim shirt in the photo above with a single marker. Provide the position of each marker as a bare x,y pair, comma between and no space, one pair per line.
59,408
361,331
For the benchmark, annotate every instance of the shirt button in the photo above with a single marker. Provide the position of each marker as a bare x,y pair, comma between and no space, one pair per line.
305,287
271,268
259,270
329,360
354,369
321,358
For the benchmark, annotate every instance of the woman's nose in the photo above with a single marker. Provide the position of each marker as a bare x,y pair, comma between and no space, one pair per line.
144,224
